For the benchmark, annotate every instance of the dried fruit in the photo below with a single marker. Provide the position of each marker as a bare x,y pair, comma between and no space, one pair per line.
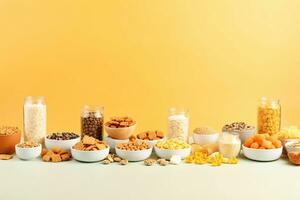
262,141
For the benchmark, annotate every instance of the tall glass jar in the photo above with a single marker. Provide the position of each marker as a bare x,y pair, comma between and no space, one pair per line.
268,116
35,119
92,121
178,124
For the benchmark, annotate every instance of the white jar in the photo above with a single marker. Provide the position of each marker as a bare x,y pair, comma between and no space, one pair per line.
178,124
35,119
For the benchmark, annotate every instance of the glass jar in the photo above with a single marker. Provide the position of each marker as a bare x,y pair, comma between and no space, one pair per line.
268,116
229,144
92,121
178,124
35,119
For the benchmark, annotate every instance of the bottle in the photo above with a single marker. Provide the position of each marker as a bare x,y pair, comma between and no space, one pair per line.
35,119
178,124
268,116
92,121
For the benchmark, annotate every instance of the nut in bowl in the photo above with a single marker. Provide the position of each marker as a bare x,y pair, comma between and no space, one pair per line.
205,135
112,143
120,128
172,147
90,150
151,137
9,137
64,140
292,146
262,147
135,150
244,130
28,150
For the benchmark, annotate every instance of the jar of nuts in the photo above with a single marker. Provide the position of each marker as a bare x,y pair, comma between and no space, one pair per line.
92,121
178,124
268,116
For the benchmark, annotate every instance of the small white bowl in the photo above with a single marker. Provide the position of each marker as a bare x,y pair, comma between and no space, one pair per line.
64,144
151,143
168,153
28,153
290,148
244,135
112,143
262,154
89,156
203,139
134,156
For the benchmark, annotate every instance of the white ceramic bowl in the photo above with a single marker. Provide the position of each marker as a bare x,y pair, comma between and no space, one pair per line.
203,139
64,144
112,143
151,143
167,153
28,153
244,135
134,155
290,148
262,154
89,156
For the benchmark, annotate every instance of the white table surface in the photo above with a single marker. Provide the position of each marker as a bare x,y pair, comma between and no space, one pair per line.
28,180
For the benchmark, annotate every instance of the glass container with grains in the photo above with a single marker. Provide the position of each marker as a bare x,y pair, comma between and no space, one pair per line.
178,124
268,116
92,121
35,119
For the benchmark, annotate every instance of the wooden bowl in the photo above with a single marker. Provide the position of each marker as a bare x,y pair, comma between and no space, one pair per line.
120,133
8,143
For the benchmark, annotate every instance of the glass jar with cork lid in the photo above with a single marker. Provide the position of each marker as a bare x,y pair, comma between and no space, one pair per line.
268,116
92,121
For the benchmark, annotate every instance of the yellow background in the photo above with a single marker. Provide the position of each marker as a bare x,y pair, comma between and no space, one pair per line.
138,58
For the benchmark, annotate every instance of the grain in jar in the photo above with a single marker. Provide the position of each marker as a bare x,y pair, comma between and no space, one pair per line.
35,119
268,116
92,121
178,124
